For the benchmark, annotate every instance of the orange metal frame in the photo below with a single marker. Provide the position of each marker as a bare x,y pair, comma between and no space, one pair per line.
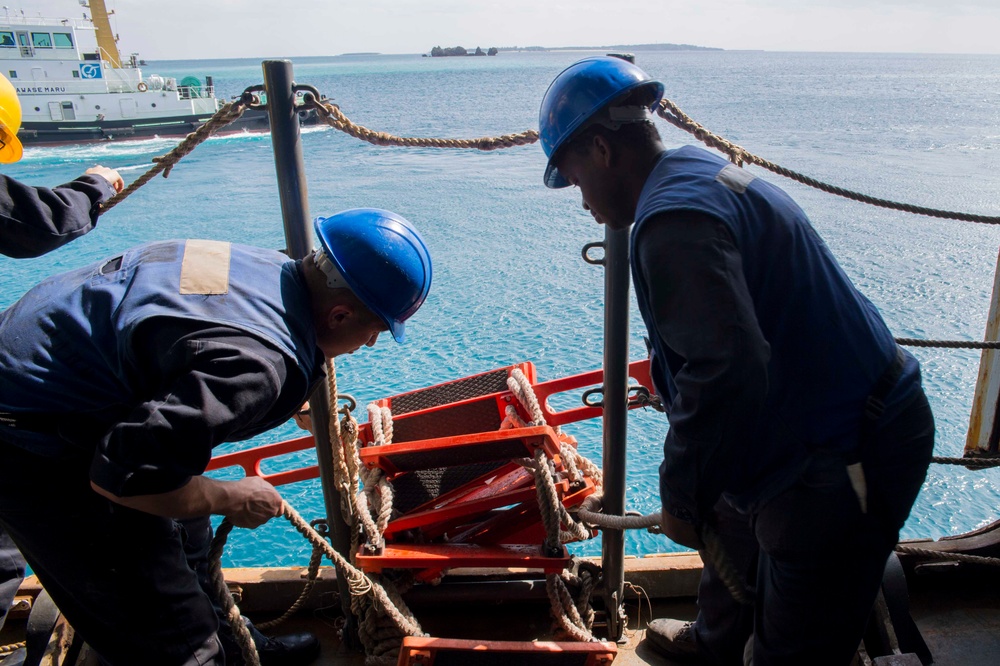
251,459
422,650
438,556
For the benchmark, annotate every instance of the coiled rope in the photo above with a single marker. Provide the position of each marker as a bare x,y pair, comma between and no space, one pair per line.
379,630
361,585
714,550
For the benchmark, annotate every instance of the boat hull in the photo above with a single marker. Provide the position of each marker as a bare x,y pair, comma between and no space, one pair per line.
75,132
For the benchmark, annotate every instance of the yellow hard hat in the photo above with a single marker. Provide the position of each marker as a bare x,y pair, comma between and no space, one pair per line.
10,122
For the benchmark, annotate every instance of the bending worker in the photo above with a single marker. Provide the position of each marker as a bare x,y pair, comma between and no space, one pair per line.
34,221
120,378
799,431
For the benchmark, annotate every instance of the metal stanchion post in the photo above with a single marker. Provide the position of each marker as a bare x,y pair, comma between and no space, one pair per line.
284,121
615,418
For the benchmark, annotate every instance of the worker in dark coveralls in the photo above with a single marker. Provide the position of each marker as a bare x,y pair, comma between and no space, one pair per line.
119,379
799,431
34,221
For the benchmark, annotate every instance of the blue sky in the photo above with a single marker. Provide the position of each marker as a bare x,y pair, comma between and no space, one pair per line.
169,29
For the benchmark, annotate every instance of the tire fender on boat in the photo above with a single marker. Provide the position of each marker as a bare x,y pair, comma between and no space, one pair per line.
142,87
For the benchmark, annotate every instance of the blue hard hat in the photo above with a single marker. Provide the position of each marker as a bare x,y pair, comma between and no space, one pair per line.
382,259
578,93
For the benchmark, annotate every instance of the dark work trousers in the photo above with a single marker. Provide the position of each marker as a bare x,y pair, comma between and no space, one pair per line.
198,542
11,573
815,560
120,577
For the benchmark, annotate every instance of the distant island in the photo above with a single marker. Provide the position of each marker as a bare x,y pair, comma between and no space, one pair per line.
438,52
615,47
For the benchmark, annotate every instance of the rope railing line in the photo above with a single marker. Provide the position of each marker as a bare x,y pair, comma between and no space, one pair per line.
943,555
949,344
228,113
334,117
977,463
739,155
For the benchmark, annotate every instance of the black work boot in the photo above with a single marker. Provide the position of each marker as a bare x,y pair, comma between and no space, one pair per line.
674,640
287,650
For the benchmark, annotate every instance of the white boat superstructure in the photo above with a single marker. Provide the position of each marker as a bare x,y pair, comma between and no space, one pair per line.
74,85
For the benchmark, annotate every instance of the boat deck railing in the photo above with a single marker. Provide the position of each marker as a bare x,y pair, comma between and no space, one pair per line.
23,20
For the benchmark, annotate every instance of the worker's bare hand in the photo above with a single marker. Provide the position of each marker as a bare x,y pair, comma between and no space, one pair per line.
303,418
110,175
255,501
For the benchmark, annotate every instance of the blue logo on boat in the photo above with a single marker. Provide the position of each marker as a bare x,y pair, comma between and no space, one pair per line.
90,70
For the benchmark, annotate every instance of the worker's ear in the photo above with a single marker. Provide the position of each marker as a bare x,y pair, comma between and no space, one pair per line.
338,315
601,150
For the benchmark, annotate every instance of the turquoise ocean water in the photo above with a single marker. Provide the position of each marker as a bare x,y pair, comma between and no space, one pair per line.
509,282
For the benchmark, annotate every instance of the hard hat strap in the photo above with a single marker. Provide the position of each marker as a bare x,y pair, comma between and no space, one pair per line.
617,116
334,280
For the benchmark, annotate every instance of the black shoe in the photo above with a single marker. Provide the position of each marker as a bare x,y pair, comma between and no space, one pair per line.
288,650
673,639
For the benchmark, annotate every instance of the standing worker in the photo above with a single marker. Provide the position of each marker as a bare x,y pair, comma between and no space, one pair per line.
121,377
34,221
799,430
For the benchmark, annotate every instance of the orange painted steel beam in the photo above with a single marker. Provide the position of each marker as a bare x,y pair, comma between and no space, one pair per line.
638,370
461,556
394,459
423,650
251,459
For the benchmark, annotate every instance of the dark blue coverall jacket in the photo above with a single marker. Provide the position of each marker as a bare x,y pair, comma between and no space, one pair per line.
127,373
764,354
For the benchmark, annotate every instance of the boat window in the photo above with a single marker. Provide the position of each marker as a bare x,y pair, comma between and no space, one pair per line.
62,40
7,39
12,74
41,40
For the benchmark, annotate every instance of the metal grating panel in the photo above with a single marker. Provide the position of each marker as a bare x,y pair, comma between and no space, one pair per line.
477,416
443,394
412,490
504,451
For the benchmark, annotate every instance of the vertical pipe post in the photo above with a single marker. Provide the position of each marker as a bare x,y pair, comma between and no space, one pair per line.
292,191
615,418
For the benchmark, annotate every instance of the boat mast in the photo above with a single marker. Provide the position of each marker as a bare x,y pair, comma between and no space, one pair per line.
105,39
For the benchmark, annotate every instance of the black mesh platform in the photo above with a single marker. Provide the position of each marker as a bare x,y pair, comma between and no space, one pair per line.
412,490
478,416
443,394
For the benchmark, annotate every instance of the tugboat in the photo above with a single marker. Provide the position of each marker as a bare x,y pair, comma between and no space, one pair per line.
75,87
